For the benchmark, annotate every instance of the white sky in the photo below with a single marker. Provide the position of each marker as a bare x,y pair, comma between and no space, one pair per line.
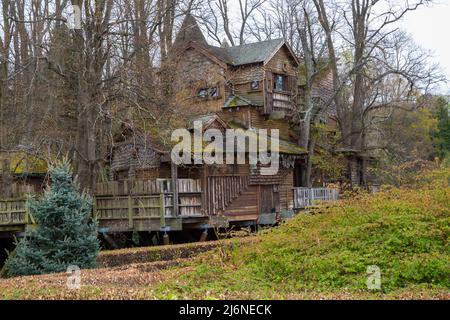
430,28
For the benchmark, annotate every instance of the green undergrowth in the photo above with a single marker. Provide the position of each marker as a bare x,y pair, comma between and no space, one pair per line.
402,231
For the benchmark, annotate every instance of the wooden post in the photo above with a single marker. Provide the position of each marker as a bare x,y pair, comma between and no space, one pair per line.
94,208
204,194
130,212
110,241
204,236
27,220
166,239
8,209
174,169
162,210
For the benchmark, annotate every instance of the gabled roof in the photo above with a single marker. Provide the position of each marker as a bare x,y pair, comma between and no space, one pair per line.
242,100
258,52
190,35
235,101
285,147
206,121
23,163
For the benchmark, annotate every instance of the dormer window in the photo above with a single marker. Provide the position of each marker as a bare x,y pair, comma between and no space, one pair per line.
208,93
202,93
214,92
279,83
254,85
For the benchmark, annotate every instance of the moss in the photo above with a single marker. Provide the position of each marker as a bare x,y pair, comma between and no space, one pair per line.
22,163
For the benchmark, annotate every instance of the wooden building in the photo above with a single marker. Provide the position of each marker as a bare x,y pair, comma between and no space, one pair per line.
21,173
253,86
249,87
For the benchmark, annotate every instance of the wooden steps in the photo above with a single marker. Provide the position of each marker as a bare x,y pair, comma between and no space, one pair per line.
223,191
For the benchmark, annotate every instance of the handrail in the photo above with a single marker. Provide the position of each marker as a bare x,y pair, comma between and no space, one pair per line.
305,197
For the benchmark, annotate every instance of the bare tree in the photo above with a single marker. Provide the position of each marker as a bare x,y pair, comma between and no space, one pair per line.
364,34
217,17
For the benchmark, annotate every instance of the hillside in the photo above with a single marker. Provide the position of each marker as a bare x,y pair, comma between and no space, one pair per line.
321,254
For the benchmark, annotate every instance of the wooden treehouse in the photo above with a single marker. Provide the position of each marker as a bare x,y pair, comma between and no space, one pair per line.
249,87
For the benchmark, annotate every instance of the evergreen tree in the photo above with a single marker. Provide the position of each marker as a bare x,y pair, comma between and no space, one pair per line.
65,234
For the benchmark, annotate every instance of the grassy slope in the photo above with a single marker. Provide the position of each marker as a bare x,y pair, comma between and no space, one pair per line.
402,231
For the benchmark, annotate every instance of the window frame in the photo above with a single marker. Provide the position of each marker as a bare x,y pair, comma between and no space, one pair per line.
201,96
258,85
208,93
285,85
217,92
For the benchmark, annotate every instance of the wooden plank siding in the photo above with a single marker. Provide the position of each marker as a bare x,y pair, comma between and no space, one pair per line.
13,212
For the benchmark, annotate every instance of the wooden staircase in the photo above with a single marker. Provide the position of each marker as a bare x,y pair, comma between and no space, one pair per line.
221,191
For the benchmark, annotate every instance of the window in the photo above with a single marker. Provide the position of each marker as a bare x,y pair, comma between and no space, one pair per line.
202,93
214,92
279,82
208,93
254,85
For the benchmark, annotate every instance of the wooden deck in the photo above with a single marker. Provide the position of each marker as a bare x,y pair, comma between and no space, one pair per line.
149,205
14,216
127,206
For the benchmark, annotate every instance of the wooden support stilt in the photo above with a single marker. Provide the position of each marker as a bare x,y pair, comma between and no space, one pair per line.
204,236
111,241
166,239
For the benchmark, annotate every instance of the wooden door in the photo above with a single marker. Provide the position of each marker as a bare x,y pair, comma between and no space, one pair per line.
269,199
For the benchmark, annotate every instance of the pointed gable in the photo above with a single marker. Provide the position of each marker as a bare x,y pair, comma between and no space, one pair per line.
189,32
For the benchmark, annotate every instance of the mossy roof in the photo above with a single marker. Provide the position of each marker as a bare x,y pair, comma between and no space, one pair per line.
21,163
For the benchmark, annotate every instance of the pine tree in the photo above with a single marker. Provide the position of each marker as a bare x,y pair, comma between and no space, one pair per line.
65,234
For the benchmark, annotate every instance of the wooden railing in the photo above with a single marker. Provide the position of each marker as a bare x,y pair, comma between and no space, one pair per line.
305,197
13,212
147,199
222,190
126,200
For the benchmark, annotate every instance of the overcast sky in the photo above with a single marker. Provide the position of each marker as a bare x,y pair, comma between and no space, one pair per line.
430,27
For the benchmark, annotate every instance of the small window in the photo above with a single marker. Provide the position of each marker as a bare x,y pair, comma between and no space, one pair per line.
254,85
214,92
202,93
280,82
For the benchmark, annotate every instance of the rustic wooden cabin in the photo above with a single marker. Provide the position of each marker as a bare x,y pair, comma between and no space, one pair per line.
253,86
250,87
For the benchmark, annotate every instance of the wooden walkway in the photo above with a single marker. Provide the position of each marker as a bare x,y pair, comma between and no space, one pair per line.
127,206
149,205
